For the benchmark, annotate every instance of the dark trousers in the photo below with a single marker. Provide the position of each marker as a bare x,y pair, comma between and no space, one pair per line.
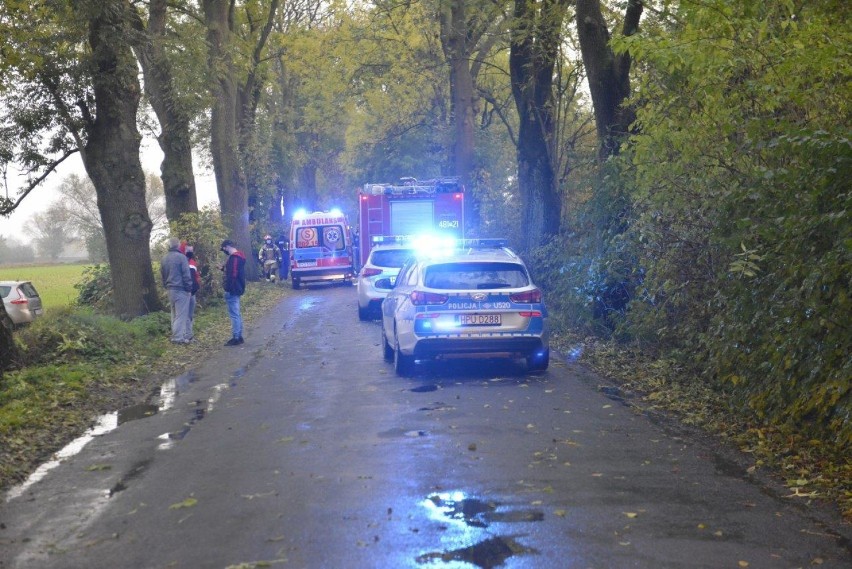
284,266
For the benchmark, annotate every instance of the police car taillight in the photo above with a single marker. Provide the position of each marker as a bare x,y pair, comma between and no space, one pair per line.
420,298
527,297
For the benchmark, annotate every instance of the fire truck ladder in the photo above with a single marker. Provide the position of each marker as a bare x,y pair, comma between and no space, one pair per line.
410,186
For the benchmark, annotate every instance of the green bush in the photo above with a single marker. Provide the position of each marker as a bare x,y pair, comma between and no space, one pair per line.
72,335
205,232
95,288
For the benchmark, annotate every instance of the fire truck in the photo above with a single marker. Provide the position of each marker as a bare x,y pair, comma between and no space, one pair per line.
320,248
408,208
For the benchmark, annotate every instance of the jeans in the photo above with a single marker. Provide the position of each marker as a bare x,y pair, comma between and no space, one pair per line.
233,302
179,301
190,316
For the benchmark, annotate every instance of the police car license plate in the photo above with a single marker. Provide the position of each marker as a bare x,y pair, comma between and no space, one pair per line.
478,319
307,263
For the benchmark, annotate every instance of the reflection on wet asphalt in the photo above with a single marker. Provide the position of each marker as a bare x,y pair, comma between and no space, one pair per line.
318,455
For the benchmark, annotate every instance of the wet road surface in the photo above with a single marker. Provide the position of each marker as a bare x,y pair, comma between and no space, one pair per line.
301,448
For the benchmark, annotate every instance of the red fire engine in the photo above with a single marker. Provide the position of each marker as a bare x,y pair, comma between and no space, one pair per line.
408,208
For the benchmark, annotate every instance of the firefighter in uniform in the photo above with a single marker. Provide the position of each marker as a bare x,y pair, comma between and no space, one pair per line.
270,258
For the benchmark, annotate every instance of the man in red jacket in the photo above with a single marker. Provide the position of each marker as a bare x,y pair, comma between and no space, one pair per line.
234,283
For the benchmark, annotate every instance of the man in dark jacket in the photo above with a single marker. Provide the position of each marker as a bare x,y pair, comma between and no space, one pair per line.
284,246
234,283
177,280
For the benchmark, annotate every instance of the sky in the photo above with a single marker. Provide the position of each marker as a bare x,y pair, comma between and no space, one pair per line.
40,198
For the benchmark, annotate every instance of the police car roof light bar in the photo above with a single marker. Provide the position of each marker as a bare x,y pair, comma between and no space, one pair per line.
387,239
483,243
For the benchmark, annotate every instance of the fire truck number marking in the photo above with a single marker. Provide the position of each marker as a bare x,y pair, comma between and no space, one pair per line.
449,224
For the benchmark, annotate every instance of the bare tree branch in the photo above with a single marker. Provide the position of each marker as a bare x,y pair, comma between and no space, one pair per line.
7,206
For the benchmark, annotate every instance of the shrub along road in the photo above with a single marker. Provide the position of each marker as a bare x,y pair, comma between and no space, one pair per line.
302,448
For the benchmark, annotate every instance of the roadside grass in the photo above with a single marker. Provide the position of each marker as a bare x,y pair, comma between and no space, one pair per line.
82,364
54,283
811,469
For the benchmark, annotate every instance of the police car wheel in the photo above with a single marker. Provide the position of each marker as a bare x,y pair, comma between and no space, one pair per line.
403,365
363,314
296,284
538,363
388,350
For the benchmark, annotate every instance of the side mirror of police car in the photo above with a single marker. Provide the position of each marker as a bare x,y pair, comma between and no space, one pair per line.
384,284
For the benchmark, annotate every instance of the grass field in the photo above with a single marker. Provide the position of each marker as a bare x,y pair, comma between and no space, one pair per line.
54,283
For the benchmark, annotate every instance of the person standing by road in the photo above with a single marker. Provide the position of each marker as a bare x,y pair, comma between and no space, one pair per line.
177,280
234,283
189,251
284,246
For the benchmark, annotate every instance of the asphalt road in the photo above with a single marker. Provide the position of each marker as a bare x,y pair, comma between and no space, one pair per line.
302,449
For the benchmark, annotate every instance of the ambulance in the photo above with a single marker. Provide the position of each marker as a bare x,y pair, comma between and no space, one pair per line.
320,248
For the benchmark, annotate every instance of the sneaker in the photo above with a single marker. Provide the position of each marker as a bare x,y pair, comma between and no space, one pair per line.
240,340
234,342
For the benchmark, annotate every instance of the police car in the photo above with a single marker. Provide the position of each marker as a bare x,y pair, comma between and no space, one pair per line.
384,261
471,298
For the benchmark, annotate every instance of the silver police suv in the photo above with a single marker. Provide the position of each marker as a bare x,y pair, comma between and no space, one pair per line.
470,298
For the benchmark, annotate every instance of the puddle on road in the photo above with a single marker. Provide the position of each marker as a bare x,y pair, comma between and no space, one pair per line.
492,552
402,433
168,393
424,389
134,412
438,406
466,512
474,512
169,438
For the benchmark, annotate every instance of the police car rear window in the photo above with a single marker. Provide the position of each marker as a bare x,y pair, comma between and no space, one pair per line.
4,290
475,276
394,258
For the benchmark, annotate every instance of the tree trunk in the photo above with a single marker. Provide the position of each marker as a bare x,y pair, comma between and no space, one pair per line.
306,194
111,158
176,169
224,135
608,73
532,58
8,349
454,40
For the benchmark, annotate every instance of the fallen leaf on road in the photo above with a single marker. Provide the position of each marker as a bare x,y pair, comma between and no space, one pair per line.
743,563
97,467
559,513
188,503
631,514
286,440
